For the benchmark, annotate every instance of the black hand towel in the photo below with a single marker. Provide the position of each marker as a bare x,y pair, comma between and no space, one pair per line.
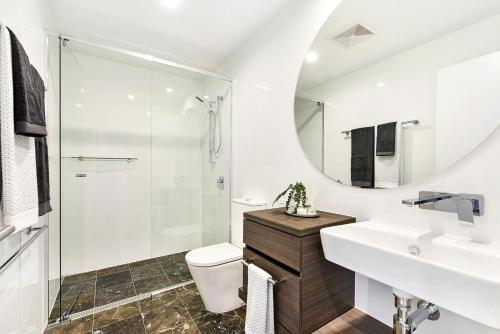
386,139
362,157
29,94
42,175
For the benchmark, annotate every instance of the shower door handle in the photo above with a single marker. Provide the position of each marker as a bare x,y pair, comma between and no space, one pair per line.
220,183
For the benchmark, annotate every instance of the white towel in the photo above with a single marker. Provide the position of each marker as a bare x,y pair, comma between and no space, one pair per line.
260,305
19,185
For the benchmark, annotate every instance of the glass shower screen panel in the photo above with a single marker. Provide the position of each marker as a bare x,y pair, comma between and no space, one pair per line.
190,208
105,159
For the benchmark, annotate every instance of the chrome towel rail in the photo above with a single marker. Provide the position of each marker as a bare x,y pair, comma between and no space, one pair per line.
24,247
246,263
5,231
404,124
82,158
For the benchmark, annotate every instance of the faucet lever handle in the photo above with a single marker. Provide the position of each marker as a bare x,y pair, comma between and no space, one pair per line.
465,210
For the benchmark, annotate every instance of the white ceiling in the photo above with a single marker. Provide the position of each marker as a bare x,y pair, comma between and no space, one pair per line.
200,33
398,25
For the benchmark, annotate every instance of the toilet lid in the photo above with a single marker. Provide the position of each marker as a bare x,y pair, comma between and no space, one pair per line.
214,255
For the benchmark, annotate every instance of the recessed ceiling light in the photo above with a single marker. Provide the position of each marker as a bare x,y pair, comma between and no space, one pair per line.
380,84
79,105
130,97
312,57
206,97
148,113
169,90
171,4
82,90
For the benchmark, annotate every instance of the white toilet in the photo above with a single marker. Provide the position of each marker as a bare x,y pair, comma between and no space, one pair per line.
217,269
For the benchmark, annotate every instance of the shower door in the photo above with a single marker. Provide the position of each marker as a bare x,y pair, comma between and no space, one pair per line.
190,193
137,187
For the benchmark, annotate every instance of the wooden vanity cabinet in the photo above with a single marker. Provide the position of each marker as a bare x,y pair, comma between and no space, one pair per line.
315,291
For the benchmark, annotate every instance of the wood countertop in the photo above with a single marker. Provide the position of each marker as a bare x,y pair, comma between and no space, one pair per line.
277,219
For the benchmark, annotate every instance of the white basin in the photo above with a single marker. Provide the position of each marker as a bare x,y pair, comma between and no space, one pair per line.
451,271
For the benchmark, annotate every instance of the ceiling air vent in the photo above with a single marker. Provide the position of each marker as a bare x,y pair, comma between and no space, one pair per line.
353,36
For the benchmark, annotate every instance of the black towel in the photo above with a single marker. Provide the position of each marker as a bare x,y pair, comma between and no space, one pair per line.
362,157
42,175
386,139
29,94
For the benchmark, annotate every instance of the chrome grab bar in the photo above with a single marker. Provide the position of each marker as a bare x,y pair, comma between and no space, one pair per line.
5,231
24,247
246,263
82,158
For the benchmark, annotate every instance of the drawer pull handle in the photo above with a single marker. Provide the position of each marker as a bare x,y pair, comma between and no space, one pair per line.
270,280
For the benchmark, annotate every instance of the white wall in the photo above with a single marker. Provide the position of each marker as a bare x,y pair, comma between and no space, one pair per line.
23,287
410,91
469,88
267,154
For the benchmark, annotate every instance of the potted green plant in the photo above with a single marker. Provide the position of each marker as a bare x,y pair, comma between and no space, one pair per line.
296,203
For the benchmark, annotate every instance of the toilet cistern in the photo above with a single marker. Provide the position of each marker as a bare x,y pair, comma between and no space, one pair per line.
465,205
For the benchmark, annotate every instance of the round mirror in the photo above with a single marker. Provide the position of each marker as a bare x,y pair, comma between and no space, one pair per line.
393,91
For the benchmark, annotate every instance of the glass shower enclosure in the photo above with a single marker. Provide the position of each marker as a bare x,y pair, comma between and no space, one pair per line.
140,169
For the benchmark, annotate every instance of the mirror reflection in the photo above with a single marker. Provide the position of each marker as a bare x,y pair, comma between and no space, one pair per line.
392,92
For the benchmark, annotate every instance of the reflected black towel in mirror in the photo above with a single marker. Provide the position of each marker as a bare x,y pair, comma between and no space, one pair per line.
363,157
386,139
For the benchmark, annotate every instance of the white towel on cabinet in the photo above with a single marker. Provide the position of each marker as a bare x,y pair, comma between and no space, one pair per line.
260,304
19,186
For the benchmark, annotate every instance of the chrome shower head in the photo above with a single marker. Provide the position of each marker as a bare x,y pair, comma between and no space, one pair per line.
210,105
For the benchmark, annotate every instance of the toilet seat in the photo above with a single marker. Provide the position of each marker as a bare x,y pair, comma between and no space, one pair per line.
214,255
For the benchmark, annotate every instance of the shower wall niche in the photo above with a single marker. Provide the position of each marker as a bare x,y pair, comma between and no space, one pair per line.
135,177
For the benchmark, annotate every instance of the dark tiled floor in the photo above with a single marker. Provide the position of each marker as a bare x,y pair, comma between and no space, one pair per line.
178,311
88,290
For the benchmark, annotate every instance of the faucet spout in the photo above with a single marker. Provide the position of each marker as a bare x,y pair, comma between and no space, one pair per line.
465,205
427,199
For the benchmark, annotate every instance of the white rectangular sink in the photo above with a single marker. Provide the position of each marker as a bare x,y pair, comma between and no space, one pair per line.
451,271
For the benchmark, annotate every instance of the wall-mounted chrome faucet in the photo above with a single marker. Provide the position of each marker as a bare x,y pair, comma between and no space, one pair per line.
466,205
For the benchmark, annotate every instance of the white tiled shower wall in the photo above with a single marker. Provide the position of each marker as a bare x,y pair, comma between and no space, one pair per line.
23,287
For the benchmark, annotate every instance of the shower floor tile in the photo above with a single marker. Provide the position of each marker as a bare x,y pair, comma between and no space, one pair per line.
107,285
168,312
112,270
145,271
113,279
152,283
114,293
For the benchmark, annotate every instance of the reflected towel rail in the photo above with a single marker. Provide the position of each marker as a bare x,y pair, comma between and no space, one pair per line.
246,263
24,247
82,158
405,124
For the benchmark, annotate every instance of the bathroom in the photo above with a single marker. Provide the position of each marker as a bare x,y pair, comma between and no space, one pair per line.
222,105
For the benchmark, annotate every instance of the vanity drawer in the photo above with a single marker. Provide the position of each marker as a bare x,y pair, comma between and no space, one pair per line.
286,293
278,245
